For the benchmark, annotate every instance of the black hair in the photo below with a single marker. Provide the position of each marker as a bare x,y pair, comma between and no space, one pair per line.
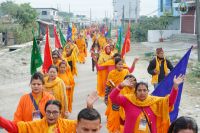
141,83
117,60
53,66
53,102
183,122
55,52
89,114
37,75
130,76
63,62
93,45
117,55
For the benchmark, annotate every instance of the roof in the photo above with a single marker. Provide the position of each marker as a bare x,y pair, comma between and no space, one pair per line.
48,8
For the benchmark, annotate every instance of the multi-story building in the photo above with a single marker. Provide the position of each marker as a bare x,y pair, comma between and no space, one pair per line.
187,21
48,14
131,10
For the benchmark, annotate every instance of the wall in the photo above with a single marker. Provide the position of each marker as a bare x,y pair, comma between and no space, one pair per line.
154,35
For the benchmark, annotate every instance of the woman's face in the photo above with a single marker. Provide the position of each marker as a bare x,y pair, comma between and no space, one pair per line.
52,114
186,131
55,58
62,68
52,73
142,92
108,50
36,86
133,82
119,66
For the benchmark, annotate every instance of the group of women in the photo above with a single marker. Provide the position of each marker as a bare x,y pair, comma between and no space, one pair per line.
130,109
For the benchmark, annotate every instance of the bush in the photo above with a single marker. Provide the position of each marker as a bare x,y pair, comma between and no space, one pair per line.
196,70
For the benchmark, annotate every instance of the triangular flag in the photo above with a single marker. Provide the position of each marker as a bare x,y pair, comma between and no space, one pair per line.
165,86
62,38
36,59
127,43
47,53
57,41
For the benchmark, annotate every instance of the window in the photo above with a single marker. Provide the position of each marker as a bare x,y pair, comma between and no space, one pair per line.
44,12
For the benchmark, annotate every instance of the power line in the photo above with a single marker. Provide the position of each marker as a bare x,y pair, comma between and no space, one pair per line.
152,12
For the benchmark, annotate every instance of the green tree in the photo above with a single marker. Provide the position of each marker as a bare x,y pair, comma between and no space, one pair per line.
22,14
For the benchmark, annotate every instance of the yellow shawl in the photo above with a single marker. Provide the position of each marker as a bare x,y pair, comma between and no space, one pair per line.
116,76
103,57
57,89
159,106
41,126
73,57
158,63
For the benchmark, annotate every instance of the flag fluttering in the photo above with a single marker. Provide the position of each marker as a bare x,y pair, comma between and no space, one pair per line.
119,40
57,41
127,43
62,38
47,53
69,33
165,86
36,59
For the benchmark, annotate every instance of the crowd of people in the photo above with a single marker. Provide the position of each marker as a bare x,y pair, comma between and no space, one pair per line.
129,106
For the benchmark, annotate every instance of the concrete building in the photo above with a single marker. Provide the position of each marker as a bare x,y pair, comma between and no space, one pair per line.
49,15
131,10
187,21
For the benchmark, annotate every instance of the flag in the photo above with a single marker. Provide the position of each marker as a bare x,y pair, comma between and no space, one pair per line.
36,59
119,40
57,41
69,33
47,53
127,43
62,38
165,85
109,31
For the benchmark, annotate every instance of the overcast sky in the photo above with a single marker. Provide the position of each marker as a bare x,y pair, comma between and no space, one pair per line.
98,7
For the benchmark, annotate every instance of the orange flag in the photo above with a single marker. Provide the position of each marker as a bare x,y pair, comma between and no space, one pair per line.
57,41
47,53
127,43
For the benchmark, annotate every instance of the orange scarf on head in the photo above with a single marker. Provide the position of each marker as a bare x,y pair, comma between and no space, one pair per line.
158,64
160,108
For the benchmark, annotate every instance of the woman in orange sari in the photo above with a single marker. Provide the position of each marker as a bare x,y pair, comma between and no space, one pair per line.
115,77
68,79
31,106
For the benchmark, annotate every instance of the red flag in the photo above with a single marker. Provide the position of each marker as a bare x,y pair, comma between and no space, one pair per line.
57,41
47,53
127,43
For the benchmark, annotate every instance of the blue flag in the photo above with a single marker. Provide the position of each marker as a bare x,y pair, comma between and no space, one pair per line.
69,33
165,86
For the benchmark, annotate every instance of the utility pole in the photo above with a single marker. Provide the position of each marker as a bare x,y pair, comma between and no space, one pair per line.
90,16
198,26
136,12
129,11
123,18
